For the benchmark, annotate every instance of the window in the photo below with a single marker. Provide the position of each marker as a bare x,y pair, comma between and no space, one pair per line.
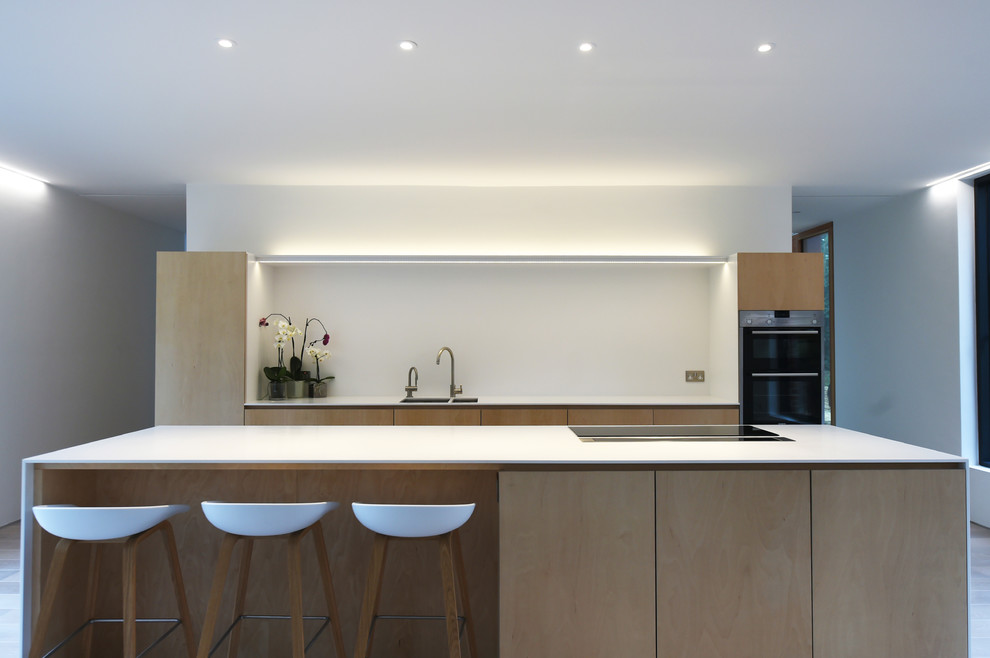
819,240
981,187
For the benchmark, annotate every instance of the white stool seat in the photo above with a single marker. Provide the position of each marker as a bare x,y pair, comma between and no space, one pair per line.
264,519
102,523
412,520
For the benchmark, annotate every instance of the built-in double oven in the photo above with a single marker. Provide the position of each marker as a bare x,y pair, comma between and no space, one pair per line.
780,378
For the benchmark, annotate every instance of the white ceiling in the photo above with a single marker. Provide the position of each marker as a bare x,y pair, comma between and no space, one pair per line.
128,101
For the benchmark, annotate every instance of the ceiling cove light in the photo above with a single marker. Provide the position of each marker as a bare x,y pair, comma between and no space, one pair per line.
765,47
20,182
966,173
586,47
226,43
408,45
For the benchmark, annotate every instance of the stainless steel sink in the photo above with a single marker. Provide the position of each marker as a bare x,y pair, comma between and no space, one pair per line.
436,400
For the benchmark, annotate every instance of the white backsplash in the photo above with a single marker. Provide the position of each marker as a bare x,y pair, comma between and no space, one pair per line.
514,329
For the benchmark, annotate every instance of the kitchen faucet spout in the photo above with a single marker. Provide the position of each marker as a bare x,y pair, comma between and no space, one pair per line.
412,385
454,389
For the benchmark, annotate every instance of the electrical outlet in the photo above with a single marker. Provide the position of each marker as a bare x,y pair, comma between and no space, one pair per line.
694,375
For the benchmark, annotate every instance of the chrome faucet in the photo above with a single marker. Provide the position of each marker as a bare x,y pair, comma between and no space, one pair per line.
412,385
454,390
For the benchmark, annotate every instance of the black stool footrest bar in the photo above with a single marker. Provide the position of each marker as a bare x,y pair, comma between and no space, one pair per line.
324,618
104,620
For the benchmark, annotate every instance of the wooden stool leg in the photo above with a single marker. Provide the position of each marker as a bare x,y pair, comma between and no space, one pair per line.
216,595
168,537
449,594
369,606
92,589
242,583
129,576
324,561
296,595
462,586
48,600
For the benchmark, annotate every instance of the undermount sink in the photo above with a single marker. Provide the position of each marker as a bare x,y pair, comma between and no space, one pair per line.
436,400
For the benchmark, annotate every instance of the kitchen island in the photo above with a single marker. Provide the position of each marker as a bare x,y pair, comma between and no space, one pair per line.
836,541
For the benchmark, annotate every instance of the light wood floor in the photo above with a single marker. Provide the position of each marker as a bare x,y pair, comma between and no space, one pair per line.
10,584
10,590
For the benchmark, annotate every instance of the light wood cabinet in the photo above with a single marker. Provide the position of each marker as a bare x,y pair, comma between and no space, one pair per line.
200,343
734,564
319,416
781,281
890,568
434,416
523,416
610,416
493,415
576,562
696,415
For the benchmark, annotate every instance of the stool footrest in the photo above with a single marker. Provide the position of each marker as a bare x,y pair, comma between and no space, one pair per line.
104,620
460,619
324,618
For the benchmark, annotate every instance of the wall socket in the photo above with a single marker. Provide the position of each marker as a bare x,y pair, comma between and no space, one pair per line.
694,375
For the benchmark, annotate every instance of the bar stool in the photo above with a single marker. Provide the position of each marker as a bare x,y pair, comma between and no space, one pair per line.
437,522
98,526
249,521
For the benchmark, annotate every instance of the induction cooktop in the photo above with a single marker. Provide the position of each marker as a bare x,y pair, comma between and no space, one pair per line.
596,433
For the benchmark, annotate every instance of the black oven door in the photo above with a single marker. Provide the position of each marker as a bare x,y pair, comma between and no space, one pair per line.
771,398
782,350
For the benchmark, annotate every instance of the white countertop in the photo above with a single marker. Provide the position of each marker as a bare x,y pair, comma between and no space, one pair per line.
506,400
475,445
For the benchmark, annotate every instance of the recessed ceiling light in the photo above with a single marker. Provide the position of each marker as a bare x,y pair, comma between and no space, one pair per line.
586,47
408,45
765,47
226,43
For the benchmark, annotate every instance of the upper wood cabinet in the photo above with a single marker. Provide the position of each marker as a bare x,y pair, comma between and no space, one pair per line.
781,282
200,342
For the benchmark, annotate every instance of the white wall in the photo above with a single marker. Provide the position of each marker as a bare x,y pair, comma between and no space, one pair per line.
77,284
899,339
700,221
515,329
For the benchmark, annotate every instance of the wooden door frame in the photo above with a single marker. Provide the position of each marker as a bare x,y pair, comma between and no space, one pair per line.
796,246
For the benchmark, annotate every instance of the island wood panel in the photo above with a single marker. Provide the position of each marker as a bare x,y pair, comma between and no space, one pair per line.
434,416
319,416
610,416
523,416
198,545
412,573
781,281
577,558
412,580
728,415
889,560
734,564
68,614
200,343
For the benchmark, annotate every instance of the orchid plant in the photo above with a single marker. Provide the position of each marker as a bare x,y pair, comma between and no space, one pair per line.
319,356
286,332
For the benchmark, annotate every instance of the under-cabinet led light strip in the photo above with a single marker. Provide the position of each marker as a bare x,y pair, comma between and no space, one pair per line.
483,259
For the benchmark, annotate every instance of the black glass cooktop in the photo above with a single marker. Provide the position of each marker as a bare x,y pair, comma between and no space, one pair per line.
594,433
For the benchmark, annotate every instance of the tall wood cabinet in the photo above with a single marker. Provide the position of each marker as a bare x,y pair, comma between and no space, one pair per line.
200,342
